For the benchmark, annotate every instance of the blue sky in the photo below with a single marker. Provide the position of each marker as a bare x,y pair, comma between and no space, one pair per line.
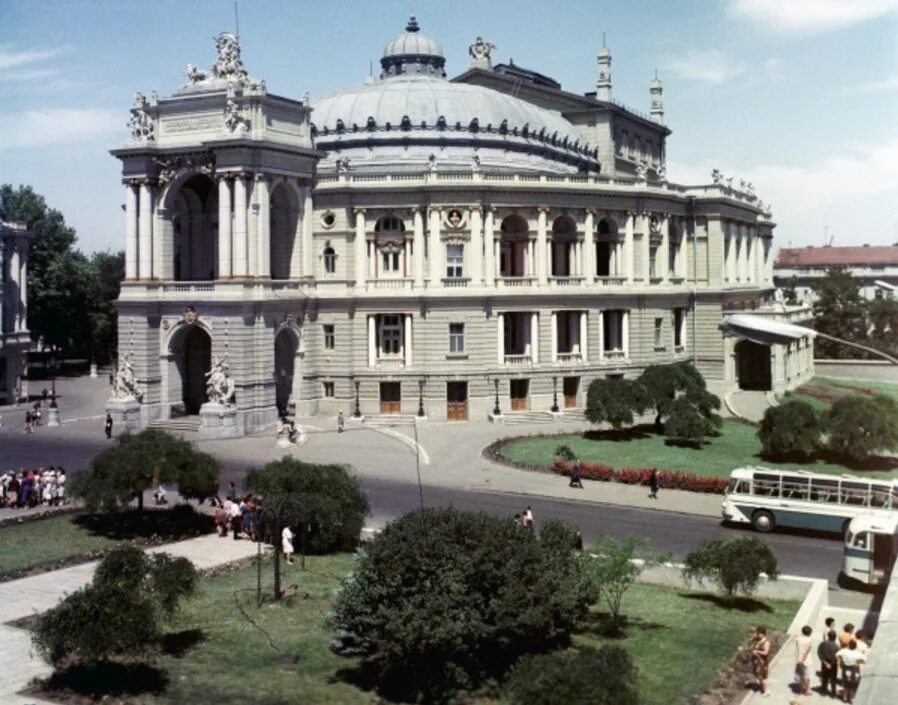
798,96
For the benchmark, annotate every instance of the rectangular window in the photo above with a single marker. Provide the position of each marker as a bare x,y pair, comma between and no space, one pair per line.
679,326
329,338
330,260
328,390
390,335
456,338
653,262
390,262
455,261
659,332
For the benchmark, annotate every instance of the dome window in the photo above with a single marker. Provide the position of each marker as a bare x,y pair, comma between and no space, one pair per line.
314,129
371,125
355,127
341,128
525,131
441,123
406,123
388,126
475,125
424,124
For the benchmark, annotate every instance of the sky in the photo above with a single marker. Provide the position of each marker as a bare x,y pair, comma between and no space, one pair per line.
800,97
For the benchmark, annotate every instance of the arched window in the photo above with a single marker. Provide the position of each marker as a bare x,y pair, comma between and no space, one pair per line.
330,260
389,224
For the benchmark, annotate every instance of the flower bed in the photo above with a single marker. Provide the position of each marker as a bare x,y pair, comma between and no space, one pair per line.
667,479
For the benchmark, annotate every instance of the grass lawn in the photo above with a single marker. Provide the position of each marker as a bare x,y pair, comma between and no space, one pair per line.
736,446
820,392
677,640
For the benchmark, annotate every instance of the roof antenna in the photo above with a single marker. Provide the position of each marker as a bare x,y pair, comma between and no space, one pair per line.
236,20
656,73
603,41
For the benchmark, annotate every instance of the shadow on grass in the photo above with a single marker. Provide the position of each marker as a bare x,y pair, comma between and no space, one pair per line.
741,604
682,443
621,435
178,522
177,644
601,624
97,680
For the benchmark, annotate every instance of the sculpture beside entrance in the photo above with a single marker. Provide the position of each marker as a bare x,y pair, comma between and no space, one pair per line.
124,400
219,414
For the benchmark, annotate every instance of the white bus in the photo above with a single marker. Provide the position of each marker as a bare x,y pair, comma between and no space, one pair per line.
871,545
768,498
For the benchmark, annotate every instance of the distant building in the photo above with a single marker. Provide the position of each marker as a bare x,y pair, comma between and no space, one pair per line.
14,337
874,268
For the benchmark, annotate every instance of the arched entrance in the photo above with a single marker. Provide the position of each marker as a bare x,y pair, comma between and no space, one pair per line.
194,227
753,366
196,362
286,344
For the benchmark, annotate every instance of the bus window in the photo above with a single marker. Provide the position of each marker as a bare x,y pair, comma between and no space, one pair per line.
766,485
855,493
795,487
879,497
860,539
824,490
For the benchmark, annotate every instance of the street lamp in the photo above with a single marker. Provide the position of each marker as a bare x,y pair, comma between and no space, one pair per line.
269,521
358,412
554,394
497,411
53,369
421,383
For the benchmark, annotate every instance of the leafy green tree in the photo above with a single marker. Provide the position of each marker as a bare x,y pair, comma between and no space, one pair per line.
884,321
735,565
792,428
839,311
789,293
137,463
684,408
613,401
603,676
859,426
122,610
612,568
443,601
107,272
328,499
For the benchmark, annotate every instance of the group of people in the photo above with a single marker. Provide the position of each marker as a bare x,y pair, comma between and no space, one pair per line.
577,479
236,515
31,488
840,655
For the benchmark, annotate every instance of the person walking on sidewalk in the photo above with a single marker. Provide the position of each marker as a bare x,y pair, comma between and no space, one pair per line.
829,664
341,422
850,659
803,660
576,475
108,426
760,656
653,484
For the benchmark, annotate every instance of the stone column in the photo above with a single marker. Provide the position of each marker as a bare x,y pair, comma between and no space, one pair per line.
601,335
534,338
554,336
418,235
145,231
589,239
489,249
264,230
225,262
240,226
500,347
625,333
407,339
307,215
23,285
361,251
372,341
629,247
542,270
665,249
476,257
14,274
3,278
436,253
584,335
646,248
130,230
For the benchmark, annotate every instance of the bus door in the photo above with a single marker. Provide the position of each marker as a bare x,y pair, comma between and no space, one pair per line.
881,558
859,556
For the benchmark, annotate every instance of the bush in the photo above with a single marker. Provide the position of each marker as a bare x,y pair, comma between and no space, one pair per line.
329,498
444,601
119,613
565,453
859,426
605,676
735,565
793,428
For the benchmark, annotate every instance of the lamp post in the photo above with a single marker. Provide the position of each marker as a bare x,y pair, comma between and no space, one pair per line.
554,394
358,412
53,369
270,520
497,411
421,383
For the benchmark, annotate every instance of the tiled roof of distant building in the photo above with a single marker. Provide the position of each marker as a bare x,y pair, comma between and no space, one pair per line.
837,256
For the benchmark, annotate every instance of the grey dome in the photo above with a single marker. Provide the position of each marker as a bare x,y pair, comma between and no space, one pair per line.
413,43
413,53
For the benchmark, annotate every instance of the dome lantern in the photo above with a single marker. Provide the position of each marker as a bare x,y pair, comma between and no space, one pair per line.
413,53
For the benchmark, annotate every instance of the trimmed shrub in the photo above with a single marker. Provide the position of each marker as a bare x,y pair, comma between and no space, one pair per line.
793,428
860,426
604,676
734,565
443,601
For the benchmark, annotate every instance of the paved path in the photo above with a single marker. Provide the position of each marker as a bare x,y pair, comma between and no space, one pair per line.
749,405
21,598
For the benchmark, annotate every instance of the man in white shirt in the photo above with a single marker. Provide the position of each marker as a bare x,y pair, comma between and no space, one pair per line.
850,659
802,660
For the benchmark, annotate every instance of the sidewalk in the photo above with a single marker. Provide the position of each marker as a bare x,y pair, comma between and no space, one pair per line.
28,596
781,683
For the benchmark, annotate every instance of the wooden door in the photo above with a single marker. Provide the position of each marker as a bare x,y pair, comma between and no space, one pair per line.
390,398
570,385
457,401
519,389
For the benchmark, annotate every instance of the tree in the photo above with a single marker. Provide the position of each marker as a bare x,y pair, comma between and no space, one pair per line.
120,613
735,565
329,500
444,601
612,567
884,326
613,401
792,428
604,676
139,462
108,270
684,408
839,311
859,426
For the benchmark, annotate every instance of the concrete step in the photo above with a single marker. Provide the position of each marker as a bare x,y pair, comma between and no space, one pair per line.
186,424
390,420
522,417
573,415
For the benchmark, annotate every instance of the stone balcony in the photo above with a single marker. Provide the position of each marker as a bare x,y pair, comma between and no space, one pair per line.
390,363
610,281
515,282
455,282
570,358
567,281
518,360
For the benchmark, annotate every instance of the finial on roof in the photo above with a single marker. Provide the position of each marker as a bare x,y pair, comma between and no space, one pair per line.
412,25
604,45
656,73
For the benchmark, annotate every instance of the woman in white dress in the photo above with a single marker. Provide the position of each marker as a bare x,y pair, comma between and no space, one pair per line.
287,544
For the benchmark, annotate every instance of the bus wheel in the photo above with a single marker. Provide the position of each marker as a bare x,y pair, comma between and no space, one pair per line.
763,521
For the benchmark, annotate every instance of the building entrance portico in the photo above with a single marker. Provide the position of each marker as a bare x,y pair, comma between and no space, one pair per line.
753,366
196,359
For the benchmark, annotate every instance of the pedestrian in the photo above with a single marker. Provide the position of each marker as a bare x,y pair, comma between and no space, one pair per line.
760,655
576,474
340,422
830,623
802,660
287,545
236,519
221,521
829,664
527,518
846,636
60,484
863,642
850,660
108,426
28,422
653,484
232,492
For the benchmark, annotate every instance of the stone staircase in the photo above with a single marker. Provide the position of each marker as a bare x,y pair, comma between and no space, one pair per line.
182,424
573,415
390,420
525,417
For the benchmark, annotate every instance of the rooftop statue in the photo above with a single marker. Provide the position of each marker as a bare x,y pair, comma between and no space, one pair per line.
228,65
480,53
